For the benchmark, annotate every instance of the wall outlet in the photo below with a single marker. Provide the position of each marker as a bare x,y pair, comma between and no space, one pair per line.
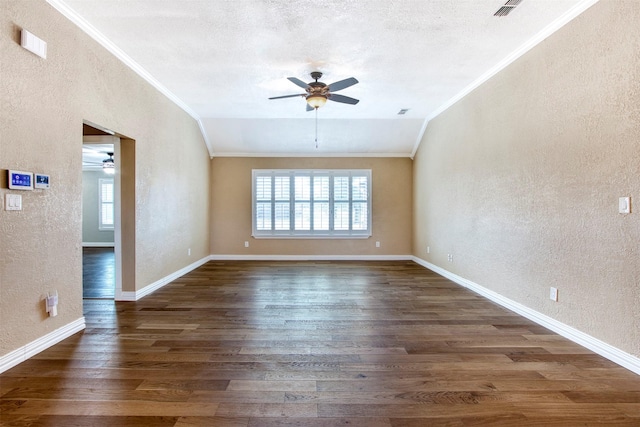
51,303
189,252
428,249
450,257
624,205
377,244
246,243
553,294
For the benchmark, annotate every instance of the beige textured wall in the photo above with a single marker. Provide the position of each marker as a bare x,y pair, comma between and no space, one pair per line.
520,180
42,107
231,208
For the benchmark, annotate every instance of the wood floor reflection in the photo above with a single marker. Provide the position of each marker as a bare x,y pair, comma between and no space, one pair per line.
98,273
315,344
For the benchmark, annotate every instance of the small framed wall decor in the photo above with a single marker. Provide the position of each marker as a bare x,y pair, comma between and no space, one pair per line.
20,180
41,181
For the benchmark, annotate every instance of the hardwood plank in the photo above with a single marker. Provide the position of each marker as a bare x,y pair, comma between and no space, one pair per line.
603,396
88,420
506,420
404,384
240,385
119,408
569,410
214,385
258,410
424,397
91,394
319,422
416,410
212,422
237,396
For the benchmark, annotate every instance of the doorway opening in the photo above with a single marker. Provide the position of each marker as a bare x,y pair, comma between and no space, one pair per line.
108,214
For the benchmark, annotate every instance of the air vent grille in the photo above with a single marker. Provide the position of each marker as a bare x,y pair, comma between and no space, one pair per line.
507,8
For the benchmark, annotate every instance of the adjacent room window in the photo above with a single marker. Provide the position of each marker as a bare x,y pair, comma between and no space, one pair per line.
311,203
106,203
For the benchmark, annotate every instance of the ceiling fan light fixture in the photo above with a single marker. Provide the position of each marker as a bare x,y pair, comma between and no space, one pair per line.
316,101
108,168
108,165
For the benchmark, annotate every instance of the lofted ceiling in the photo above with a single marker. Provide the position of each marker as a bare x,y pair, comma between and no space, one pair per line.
221,60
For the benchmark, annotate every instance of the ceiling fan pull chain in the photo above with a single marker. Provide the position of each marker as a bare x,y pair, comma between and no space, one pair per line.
316,128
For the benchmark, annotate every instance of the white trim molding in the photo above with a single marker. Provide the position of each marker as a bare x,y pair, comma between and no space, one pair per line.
23,353
315,155
423,129
98,244
136,295
605,350
311,257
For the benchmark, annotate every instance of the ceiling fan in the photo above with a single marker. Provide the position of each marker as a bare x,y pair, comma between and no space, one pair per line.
108,164
317,93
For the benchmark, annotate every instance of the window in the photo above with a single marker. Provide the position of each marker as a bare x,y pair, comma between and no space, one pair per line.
311,203
106,202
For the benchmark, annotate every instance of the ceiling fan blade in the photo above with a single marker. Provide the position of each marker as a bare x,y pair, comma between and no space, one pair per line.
288,96
299,82
343,99
310,108
342,84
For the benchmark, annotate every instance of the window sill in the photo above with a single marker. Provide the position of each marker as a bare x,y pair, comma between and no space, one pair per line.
313,236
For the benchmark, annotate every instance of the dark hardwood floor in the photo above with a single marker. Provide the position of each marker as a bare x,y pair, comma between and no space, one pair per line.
98,273
315,344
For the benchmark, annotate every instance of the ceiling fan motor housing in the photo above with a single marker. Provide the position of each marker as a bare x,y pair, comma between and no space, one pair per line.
318,88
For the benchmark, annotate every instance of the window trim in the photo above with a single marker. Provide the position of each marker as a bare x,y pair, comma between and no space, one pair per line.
311,234
101,225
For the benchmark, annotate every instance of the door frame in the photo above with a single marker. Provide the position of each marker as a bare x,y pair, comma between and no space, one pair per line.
124,209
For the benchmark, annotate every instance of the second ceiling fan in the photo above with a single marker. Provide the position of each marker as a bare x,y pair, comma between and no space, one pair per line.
317,93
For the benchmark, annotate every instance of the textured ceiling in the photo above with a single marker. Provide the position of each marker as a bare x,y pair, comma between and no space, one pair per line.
223,59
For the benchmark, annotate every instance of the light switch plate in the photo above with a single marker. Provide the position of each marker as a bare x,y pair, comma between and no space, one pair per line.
33,43
13,202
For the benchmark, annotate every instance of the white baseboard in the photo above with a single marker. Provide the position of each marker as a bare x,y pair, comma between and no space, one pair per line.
23,353
98,244
311,257
136,295
608,351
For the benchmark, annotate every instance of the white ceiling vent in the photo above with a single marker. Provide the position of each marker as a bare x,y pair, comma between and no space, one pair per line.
507,8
